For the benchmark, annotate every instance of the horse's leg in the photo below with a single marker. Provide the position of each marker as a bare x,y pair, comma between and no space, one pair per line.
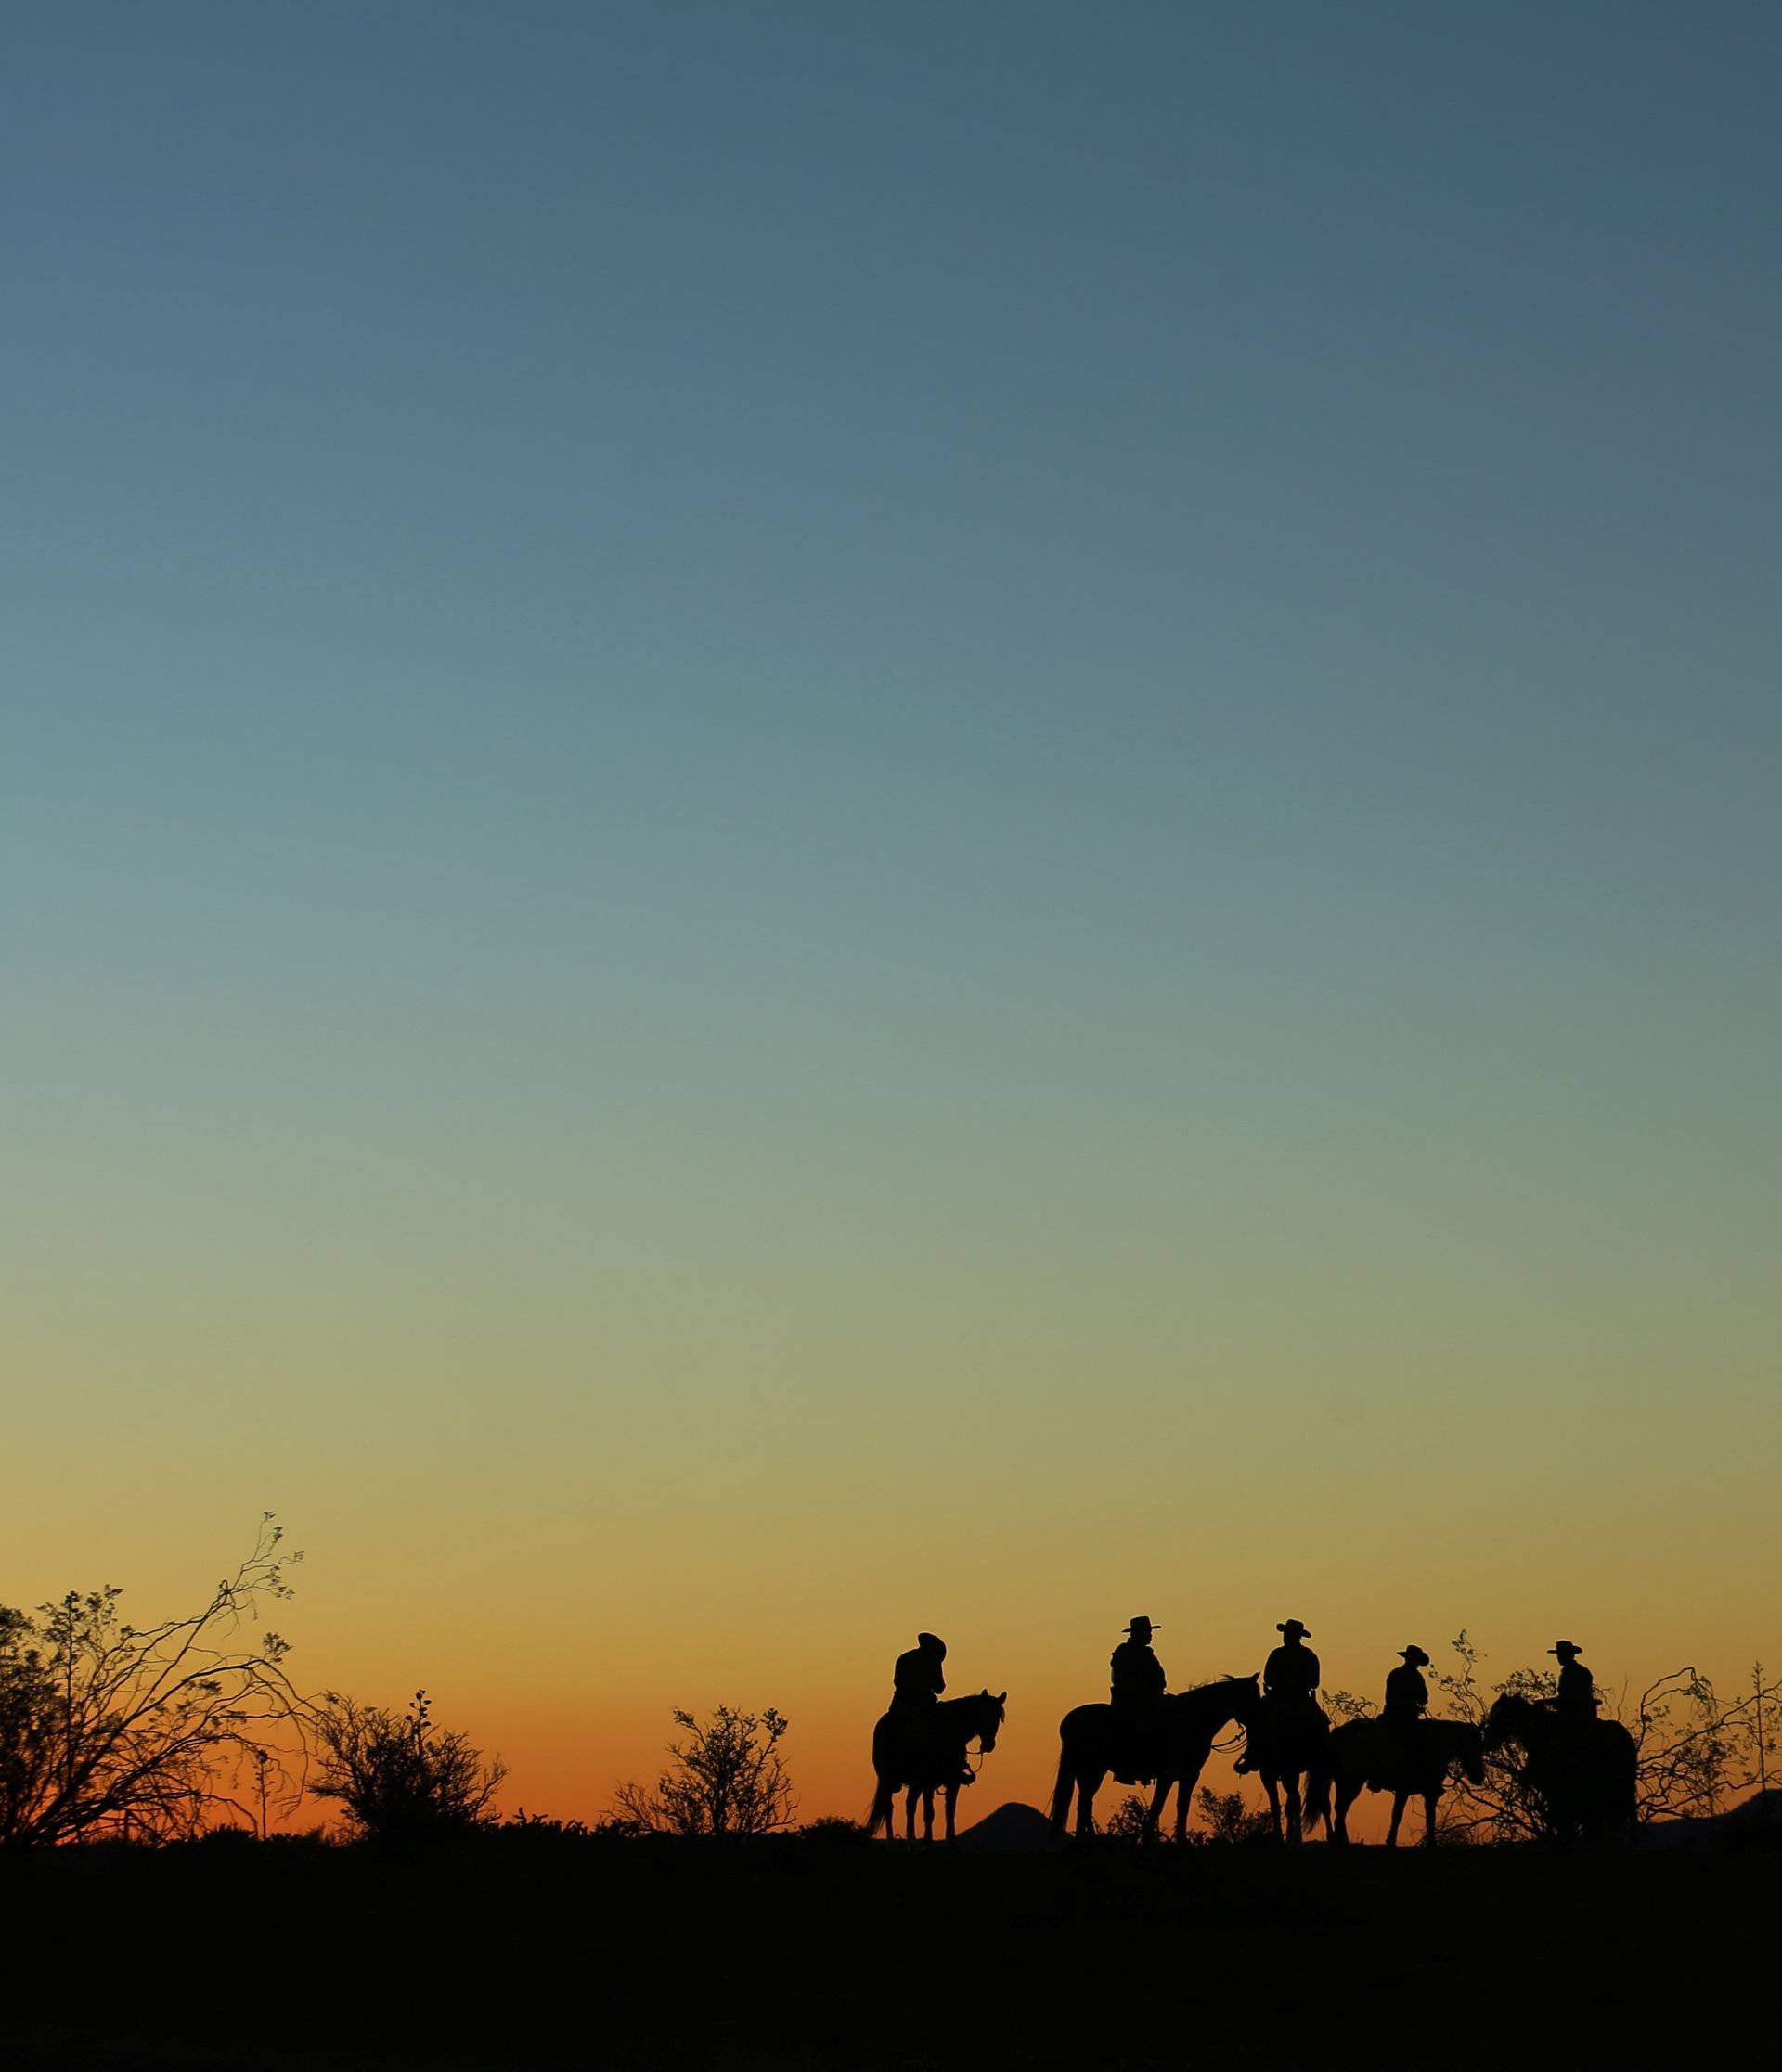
909,1814
1153,1819
1089,1783
1295,1828
927,1813
1275,1803
1346,1797
1185,1796
1429,1798
1399,1799
952,1795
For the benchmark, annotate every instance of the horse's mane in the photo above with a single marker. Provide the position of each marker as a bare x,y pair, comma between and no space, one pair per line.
1210,1684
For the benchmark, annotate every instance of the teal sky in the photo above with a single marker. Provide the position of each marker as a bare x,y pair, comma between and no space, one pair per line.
1051,708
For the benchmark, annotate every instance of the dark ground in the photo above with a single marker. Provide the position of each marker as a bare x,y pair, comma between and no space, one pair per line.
816,1951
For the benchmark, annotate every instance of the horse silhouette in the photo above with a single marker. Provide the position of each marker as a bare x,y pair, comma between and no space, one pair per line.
1415,1767
1582,1773
1090,1739
926,1753
1283,1744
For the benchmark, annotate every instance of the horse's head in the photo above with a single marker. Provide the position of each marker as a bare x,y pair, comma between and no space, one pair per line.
1246,1693
987,1716
1505,1719
1469,1752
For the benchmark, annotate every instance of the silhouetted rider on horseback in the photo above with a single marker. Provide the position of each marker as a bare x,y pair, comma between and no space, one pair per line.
1290,1681
1136,1685
1407,1699
1291,1675
1576,1703
917,1682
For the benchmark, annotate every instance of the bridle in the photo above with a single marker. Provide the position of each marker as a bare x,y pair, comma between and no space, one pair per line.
976,1768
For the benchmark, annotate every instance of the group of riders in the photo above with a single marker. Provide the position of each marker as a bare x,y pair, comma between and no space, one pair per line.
1290,1681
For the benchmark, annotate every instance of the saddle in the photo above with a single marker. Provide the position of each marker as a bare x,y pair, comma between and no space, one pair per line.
1135,1738
1392,1745
1287,1722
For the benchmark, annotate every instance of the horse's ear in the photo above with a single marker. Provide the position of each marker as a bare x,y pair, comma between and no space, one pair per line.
1003,1698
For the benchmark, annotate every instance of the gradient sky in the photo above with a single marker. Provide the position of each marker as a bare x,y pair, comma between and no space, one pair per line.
823,817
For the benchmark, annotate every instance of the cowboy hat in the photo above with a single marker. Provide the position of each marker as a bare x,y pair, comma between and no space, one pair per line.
1415,1656
1292,1627
1565,1647
1149,1625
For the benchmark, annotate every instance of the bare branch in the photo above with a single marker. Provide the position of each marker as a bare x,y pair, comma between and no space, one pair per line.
106,1729
726,1777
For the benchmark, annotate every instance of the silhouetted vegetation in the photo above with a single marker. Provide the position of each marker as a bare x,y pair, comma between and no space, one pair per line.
397,1776
1228,1819
726,1777
1130,1819
1225,1820
1700,1752
143,1733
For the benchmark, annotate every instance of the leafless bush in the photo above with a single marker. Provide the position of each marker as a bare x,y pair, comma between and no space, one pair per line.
728,1777
142,1732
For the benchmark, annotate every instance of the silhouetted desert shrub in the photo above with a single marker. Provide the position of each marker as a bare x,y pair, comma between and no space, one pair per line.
1229,1821
135,1734
726,1778
833,1832
543,1826
397,1776
1130,1819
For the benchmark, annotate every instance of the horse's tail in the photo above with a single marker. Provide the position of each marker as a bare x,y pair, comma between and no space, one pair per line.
885,1767
1061,1791
879,1811
1318,1776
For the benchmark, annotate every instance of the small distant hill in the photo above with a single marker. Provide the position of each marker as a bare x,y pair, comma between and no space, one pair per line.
1013,1828
1754,1822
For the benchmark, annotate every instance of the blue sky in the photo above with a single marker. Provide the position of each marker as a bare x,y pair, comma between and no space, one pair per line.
843,501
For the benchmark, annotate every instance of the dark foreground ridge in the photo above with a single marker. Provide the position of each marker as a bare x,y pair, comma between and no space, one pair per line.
820,1950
